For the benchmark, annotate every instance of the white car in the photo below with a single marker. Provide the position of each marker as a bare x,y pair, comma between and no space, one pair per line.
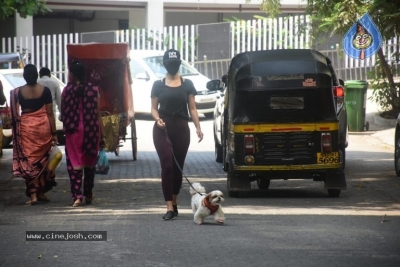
147,67
13,78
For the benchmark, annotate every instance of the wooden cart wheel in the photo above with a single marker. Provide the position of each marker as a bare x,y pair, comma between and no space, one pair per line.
133,138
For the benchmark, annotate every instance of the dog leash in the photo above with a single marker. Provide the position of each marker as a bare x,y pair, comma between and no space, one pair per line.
176,161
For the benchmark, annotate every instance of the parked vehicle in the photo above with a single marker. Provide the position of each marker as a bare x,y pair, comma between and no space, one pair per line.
11,61
283,117
397,147
147,67
13,78
219,119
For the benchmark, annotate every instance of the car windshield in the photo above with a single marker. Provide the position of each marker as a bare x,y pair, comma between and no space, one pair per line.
15,79
156,65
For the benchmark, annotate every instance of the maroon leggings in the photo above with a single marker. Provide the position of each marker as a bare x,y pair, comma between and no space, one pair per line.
179,135
76,177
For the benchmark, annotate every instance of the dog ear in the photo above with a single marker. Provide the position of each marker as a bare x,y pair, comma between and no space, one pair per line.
208,197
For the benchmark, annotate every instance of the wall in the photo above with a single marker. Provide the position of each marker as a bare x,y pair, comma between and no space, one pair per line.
109,20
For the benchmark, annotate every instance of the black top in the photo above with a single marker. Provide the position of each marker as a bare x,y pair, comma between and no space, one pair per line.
173,101
35,103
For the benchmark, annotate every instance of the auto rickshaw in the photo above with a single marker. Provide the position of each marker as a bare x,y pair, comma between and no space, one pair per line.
284,118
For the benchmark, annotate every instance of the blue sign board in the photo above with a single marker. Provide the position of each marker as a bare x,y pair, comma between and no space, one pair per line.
363,39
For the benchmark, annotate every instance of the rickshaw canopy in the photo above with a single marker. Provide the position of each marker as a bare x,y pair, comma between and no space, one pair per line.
286,68
107,66
288,85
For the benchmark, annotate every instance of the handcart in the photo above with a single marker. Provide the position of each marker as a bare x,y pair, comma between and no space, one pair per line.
107,66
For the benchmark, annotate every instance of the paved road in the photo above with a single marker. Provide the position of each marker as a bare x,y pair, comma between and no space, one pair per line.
293,224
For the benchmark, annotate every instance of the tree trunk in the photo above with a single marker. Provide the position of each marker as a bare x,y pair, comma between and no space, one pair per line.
393,99
386,68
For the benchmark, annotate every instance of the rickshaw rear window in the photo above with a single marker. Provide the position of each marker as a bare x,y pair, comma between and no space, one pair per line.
287,102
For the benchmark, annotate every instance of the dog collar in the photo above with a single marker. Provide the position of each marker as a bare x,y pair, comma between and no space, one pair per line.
212,208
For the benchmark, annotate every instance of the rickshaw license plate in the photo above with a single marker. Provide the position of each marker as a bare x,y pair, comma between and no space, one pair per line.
328,158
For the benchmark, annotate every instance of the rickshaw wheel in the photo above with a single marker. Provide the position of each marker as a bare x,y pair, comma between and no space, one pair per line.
263,184
134,139
334,192
343,150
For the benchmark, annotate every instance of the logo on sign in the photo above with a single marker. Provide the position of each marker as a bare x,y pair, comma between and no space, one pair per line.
172,55
309,83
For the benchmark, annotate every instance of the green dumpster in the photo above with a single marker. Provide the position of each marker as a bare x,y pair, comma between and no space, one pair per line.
356,100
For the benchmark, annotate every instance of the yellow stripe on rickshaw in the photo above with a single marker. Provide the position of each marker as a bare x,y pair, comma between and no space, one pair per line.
265,128
286,167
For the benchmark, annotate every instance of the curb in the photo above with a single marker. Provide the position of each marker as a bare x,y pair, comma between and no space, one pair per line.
384,122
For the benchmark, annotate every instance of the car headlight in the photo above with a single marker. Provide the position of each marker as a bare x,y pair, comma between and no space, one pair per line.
202,92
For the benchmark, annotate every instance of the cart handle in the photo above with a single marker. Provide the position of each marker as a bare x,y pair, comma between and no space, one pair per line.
105,113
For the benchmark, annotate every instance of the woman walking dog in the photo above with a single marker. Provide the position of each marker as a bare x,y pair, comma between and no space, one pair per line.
170,99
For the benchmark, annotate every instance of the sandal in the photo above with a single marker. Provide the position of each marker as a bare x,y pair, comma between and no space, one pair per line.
31,202
89,200
76,204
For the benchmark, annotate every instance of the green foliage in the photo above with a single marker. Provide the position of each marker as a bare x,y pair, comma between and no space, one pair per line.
337,16
24,7
272,7
384,94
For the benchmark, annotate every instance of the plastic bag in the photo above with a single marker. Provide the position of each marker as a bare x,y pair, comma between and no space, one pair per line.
54,158
111,132
102,165
5,116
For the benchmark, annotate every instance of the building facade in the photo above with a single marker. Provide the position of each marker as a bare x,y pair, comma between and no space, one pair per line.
76,16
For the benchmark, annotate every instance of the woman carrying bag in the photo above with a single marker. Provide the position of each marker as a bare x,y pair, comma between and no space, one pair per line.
83,127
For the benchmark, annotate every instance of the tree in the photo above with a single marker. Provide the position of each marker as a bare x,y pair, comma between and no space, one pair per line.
24,7
337,16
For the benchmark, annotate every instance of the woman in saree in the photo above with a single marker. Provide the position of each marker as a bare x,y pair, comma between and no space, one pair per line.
83,127
34,134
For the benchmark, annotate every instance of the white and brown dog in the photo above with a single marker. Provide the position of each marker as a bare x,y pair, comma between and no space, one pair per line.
204,205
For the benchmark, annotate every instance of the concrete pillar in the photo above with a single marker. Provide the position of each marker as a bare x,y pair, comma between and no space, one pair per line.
155,14
24,27
137,19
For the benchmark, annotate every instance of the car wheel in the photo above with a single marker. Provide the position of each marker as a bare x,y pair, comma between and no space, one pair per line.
231,193
218,153
263,184
396,155
209,115
334,192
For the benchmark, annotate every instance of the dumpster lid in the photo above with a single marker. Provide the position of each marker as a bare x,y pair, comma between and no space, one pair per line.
357,84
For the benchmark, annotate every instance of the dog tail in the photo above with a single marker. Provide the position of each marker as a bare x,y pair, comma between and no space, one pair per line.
197,187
